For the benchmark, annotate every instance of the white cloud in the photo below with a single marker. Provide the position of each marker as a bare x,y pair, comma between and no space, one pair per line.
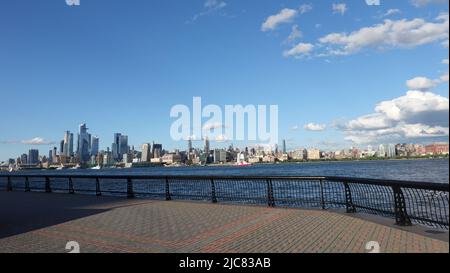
445,61
37,141
340,8
422,3
295,128
214,4
421,83
444,78
408,107
391,12
314,127
210,7
445,43
299,51
221,138
425,84
294,35
211,126
415,115
390,34
305,8
369,122
284,16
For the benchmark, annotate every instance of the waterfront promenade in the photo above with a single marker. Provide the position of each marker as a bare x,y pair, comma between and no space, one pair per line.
40,222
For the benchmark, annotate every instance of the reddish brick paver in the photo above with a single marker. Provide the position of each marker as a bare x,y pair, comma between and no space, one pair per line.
122,225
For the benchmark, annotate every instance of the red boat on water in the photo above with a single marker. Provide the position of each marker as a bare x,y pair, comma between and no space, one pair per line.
243,164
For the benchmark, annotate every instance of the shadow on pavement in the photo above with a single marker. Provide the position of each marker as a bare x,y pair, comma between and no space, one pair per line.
22,212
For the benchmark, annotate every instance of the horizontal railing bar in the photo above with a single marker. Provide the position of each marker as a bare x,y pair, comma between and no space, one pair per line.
429,220
352,180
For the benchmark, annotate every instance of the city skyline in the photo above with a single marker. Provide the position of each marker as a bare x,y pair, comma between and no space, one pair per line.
125,75
87,150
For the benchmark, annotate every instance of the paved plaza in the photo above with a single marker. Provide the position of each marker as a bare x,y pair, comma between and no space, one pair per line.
40,222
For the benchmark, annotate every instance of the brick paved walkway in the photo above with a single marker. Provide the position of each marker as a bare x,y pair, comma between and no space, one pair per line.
38,222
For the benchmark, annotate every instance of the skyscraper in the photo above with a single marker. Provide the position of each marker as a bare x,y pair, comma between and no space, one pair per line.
390,150
24,159
145,152
53,158
190,145
381,151
83,143
94,145
70,144
61,147
284,146
156,150
33,156
206,145
115,147
123,146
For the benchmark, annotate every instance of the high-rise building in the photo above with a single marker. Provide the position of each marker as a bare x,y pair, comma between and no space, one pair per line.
390,150
190,145
70,153
115,147
24,159
146,152
284,146
437,148
381,151
157,150
33,156
94,145
83,143
313,154
61,147
207,149
53,158
220,156
65,150
123,146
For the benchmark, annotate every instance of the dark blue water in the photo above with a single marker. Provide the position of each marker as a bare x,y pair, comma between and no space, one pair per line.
428,170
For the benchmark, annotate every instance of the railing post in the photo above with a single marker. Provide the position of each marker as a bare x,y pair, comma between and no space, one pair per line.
97,187
48,188
130,192
27,184
213,191
71,189
9,186
270,198
401,215
348,199
322,199
168,197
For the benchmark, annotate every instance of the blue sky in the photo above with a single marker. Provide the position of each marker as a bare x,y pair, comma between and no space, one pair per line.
121,65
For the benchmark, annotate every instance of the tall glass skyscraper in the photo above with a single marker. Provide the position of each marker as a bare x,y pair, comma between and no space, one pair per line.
33,156
115,147
83,143
68,144
123,146
119,146
94,145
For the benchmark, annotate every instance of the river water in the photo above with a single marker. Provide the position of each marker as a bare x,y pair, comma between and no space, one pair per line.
427,170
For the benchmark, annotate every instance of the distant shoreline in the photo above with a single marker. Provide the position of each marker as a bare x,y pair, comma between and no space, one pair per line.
265,163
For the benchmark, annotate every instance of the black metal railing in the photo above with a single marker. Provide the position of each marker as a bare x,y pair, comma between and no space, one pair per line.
407,202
